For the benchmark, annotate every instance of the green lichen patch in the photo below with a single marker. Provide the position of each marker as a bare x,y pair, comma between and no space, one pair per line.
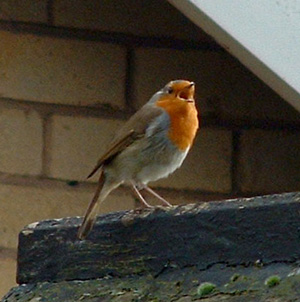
206,288
234,277
272,281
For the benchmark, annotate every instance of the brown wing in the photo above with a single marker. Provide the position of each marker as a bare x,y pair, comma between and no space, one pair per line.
132,130
113,150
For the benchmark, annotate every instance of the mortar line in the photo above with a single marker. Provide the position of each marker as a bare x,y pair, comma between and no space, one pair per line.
46,148
120,38
124,114
48,182
129,79
50,13
235,188
65,110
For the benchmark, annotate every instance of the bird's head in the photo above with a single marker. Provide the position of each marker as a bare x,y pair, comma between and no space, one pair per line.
180,90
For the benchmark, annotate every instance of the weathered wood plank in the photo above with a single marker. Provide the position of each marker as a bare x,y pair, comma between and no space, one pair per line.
235,232
232,284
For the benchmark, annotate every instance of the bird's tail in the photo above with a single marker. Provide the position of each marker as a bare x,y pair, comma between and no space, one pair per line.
91,213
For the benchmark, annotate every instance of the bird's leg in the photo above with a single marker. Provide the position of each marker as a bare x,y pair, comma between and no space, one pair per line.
139,196
156,195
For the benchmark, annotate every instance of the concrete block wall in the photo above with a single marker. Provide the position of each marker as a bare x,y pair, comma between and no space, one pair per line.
72,71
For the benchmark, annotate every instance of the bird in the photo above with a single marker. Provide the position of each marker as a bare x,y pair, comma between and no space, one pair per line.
152,144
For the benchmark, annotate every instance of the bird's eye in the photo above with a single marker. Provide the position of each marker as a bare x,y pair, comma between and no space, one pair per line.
170,90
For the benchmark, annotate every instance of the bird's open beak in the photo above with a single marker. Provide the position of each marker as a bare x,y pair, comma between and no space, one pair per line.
187,93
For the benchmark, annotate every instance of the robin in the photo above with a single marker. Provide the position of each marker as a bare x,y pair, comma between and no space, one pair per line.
151,145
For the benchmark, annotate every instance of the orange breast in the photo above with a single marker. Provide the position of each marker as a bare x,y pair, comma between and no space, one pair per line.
184,121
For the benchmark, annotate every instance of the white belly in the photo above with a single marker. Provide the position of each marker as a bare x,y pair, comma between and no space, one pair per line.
158,170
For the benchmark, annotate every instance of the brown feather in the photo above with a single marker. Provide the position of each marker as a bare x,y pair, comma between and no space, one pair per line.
133,129
90,215
113,150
